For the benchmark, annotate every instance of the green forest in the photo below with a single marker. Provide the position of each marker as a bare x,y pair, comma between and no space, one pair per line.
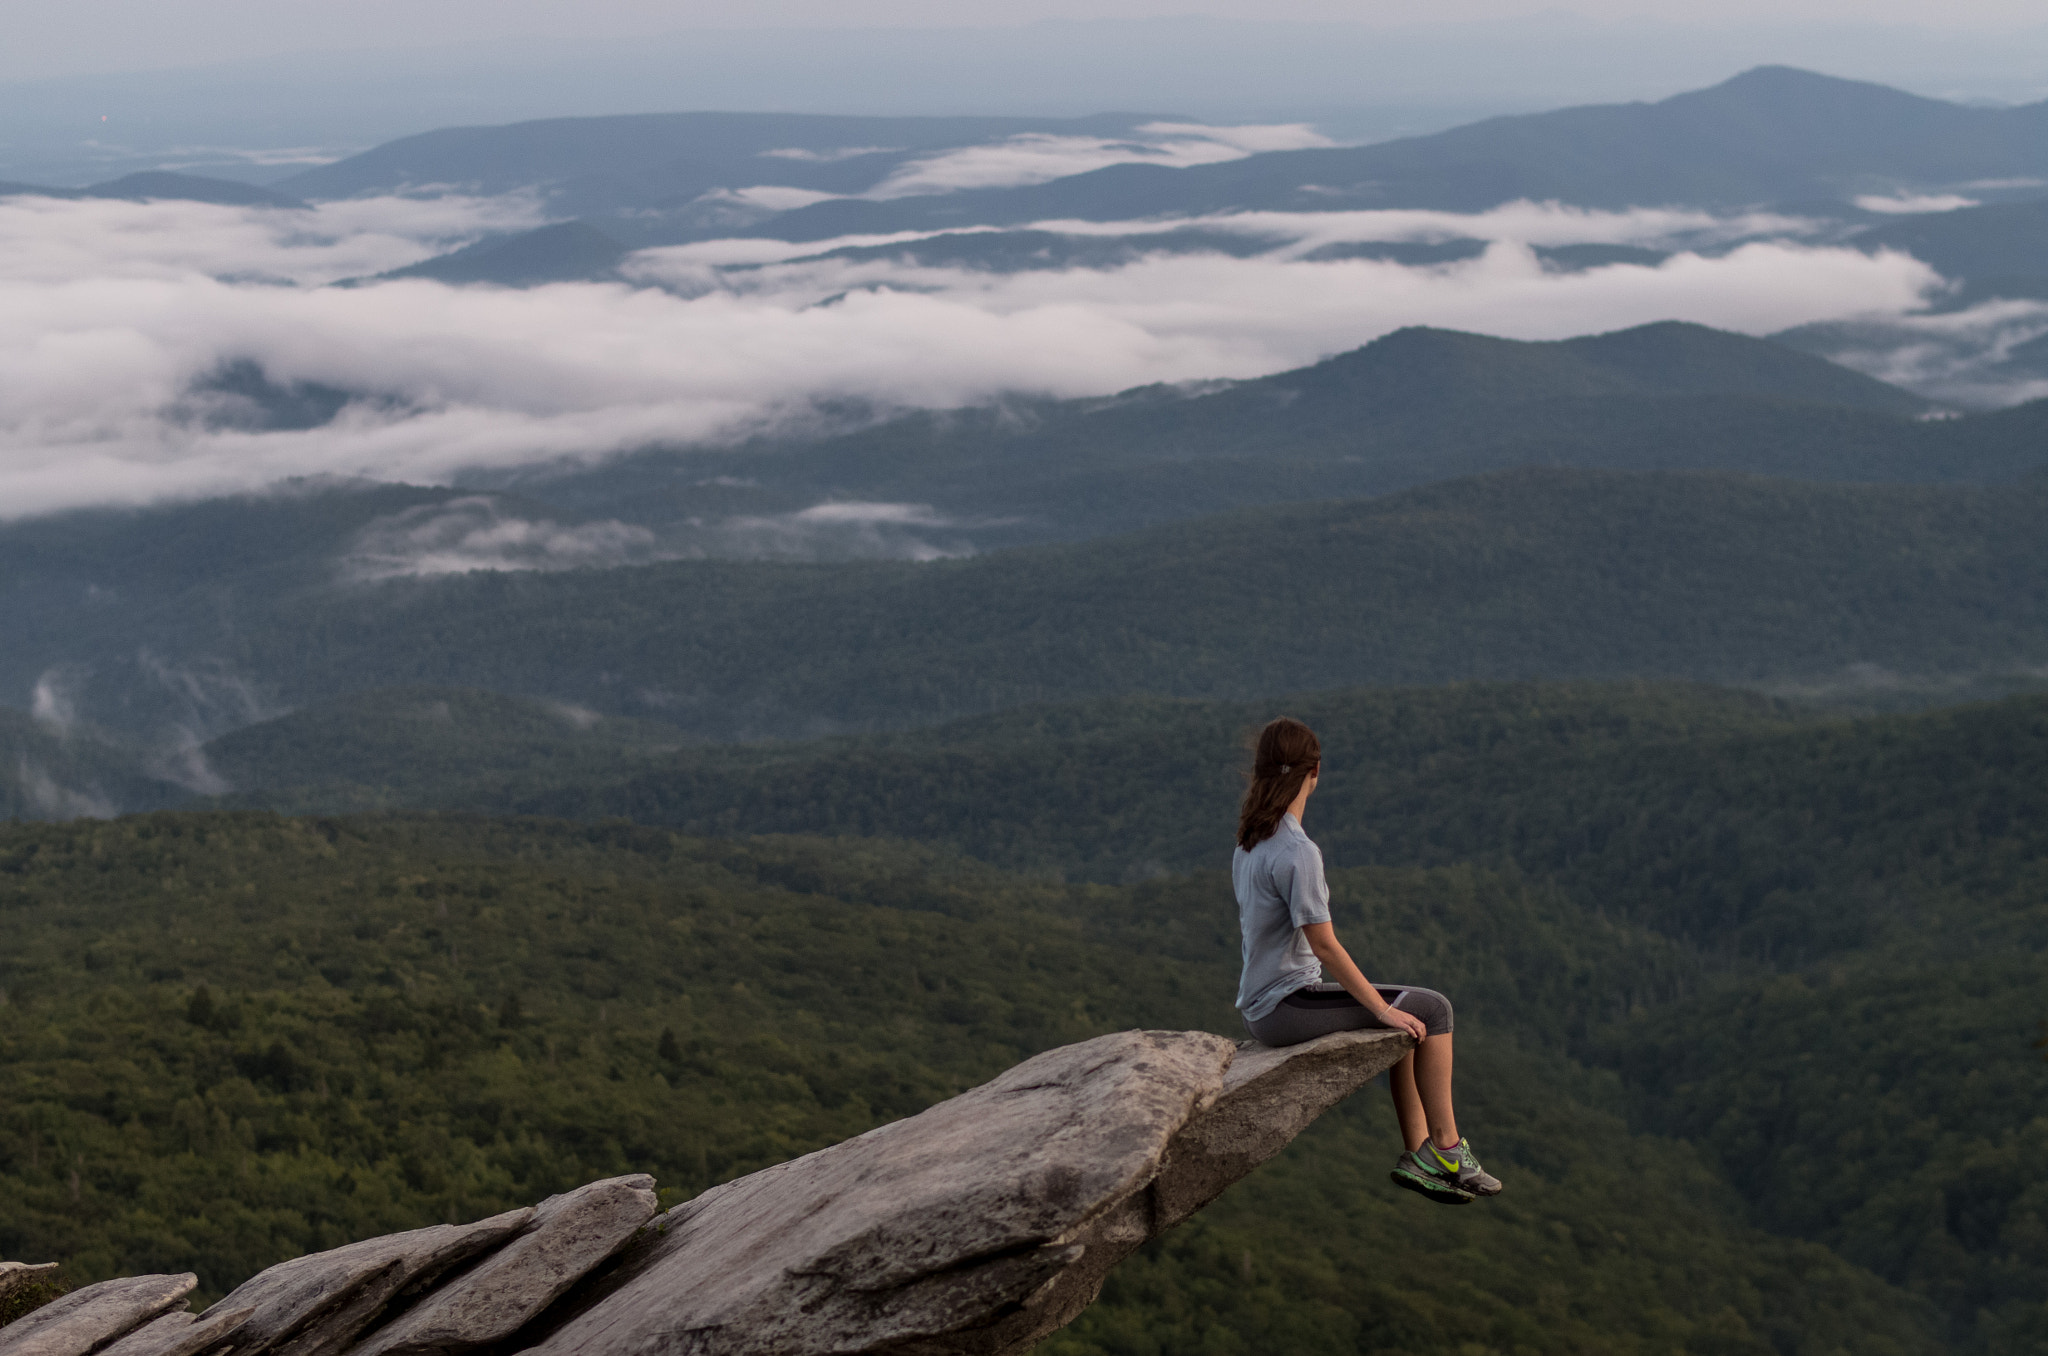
1535,574
1749,995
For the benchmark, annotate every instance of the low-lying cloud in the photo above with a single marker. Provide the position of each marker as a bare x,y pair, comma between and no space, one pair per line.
480,532
1982,357
476,533
111,312
1040,157
842,530
51,799
1908,203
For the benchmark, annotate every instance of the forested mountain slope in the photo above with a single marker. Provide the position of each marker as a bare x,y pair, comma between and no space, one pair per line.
1414,407
1527,574
1854,907
324,1028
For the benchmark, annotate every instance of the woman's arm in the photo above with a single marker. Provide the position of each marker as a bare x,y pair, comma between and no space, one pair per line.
1322,939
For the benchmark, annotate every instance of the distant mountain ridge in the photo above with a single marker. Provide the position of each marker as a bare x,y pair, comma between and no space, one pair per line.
143,620
165,185
604,164
1772,135
1412,407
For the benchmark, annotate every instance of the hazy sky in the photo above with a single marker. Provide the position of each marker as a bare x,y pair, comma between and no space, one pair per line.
63,37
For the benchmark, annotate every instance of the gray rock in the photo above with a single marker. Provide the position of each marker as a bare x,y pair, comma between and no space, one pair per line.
926,1227
180,1334
94,1315
979,1226
973,1229
570,1235
319,1304
1268,1097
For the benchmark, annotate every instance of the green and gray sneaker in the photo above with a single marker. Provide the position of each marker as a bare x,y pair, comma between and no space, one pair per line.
1458,1165
1413,1171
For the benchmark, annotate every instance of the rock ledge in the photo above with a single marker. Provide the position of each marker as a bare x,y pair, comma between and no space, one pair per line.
971,1229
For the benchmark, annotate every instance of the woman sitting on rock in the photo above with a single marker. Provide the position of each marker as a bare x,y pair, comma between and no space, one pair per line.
1283,907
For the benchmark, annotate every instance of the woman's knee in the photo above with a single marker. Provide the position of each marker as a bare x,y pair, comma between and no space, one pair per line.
1432,1008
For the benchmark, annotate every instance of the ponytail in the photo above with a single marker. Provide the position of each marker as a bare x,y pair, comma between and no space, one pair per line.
1284,755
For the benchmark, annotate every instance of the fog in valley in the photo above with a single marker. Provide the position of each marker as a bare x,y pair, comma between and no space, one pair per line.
600,601
117,313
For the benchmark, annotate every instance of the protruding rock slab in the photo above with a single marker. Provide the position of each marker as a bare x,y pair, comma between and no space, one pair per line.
179,1334
570,1235
917,1233
319,1304
75,1324
1269,1096
973,1229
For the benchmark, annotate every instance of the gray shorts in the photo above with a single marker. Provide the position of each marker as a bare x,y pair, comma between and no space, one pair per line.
1320,1009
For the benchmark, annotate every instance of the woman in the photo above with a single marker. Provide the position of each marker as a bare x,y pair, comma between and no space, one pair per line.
1283,907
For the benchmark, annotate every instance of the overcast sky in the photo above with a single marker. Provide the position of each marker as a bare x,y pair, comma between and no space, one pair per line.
64,37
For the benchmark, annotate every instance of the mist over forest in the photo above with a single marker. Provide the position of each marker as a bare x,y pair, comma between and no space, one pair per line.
584,641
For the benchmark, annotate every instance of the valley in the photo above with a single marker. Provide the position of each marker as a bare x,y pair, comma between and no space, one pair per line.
661,642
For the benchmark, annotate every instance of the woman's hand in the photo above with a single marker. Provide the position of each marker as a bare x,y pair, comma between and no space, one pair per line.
1322,939
1403,1021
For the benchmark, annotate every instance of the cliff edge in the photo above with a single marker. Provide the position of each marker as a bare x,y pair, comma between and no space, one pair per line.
971,1229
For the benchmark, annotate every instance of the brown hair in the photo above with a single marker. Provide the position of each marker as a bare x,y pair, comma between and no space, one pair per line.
1283,756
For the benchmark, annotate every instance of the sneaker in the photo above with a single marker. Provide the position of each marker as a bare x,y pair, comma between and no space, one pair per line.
1412,1171
1459,1166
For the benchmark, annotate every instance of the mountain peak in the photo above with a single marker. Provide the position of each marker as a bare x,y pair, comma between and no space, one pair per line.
1793,92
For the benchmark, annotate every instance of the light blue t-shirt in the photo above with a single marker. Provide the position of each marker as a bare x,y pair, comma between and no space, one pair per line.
1280,891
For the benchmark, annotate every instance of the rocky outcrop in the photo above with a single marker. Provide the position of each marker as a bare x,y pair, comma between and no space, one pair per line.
971,1229
94,1316
571,1235
319,1304
180,1334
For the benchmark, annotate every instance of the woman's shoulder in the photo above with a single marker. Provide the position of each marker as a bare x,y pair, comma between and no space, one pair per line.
1287,842
1295,836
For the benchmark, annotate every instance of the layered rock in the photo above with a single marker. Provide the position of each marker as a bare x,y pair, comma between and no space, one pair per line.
570,1236
971,1229
91,1317
180,1333
319,1304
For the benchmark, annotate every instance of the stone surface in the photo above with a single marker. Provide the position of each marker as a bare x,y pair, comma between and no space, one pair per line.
1268,1097
972,1229
94,1315
914,1233
180,1334
570,1235
320,1303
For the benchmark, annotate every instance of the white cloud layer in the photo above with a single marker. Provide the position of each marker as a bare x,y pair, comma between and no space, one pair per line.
1964,357
1039,157
1903,204
110,311
474,533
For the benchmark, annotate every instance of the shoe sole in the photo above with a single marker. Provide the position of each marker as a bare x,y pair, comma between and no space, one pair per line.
1443,1193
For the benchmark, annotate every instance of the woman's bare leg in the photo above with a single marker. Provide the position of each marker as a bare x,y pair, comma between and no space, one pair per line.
1432,1080
1421,1088
1407,1102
